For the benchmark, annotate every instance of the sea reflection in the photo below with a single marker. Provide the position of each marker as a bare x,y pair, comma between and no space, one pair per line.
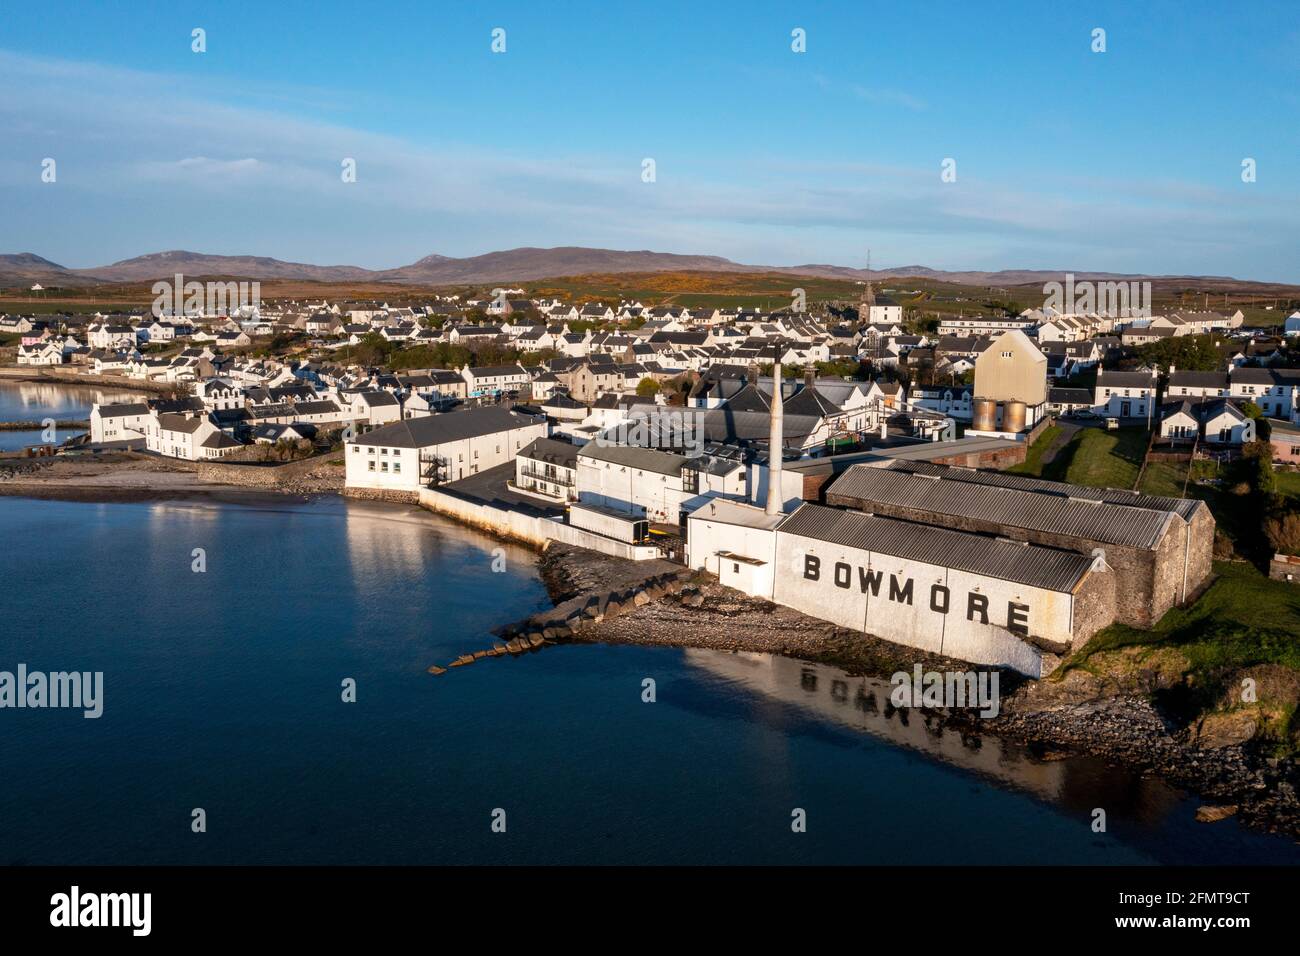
862,704
387,543
24,401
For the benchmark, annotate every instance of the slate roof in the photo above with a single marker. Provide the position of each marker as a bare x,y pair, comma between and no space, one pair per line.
632,456
553,452
430,430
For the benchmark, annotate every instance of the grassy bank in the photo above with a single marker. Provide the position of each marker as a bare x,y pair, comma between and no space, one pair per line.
1105,459
1243,626
1033,463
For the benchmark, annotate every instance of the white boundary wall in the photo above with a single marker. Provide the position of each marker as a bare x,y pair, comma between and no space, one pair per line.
530,528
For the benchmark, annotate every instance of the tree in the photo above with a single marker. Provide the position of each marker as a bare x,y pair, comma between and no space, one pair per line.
1194,353
1283,532
647,388
373,349
1257,462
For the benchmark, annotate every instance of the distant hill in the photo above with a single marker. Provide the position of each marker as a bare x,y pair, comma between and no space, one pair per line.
512,265
164,265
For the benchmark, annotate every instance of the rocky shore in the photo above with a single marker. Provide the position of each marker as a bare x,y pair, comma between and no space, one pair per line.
1217,760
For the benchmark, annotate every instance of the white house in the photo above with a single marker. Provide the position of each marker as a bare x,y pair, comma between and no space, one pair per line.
43,353
118,422
549,469
107,336
192,437
417,452
735,541
1179,422
492,380
1125,394
637,480
1216,421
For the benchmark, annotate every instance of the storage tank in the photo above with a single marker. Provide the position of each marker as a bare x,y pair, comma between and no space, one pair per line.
984,415
1013,416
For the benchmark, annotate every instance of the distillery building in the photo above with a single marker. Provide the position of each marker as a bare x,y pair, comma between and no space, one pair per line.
1161,548
981,566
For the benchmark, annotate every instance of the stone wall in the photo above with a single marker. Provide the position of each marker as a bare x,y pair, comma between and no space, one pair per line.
383,494
111,381
311,474
1094,605
1283,567
997,460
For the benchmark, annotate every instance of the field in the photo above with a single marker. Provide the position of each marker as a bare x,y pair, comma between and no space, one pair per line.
923,299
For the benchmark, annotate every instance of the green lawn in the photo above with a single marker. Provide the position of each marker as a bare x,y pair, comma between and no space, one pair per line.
1104,459
1244,618
1288,483
1165,478
1033,463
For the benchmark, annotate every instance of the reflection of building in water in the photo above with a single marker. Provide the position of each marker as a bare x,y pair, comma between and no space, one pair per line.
387,541
381,544
23,400
862,703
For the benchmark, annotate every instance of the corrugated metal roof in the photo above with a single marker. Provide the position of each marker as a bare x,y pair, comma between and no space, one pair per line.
1185,508
1091,520
1032,565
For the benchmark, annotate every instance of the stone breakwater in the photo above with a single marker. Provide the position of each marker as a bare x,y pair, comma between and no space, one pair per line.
132,476
614,601
39,424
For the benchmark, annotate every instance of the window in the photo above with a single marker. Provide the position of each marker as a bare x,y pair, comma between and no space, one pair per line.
397,466
355,449
384,467
372,466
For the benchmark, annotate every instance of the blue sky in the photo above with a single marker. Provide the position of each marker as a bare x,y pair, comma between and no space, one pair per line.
1128,160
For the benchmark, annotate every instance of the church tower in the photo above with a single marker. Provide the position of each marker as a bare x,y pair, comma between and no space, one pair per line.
868,295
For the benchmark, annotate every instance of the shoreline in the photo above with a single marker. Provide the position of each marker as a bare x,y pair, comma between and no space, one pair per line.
109,494
15,373
1046,717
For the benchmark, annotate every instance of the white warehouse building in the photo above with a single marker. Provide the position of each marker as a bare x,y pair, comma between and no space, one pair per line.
966,596
417,452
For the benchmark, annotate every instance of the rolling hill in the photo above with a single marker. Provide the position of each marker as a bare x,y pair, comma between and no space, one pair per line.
512,265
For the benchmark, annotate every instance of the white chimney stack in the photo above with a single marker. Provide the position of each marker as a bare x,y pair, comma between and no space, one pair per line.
775,441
